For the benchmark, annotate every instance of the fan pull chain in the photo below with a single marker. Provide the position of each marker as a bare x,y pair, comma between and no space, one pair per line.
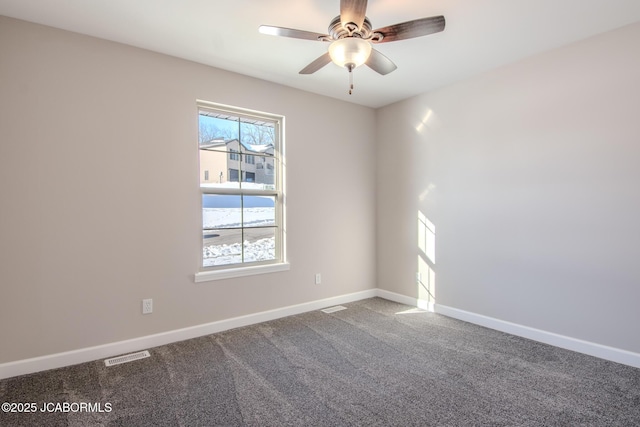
350,68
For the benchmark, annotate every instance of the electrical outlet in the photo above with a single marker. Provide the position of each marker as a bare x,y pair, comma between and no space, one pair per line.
318,278
147,306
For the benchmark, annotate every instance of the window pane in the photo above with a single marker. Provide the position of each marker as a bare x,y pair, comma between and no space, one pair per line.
240,177
259,211
259,244
215,130
221,247
221,211
218,170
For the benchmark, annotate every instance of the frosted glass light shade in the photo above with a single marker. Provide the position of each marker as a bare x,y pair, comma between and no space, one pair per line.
350,51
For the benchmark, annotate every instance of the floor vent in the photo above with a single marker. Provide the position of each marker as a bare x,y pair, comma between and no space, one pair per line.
126,358
334,309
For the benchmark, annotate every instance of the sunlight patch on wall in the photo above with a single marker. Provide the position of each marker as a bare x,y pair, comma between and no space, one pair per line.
426,276
427,237
426,279
430,188
429,121
424,122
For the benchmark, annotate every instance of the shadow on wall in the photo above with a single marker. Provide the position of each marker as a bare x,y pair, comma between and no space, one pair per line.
426,276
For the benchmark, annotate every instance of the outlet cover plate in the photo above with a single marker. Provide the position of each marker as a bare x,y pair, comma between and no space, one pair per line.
147,306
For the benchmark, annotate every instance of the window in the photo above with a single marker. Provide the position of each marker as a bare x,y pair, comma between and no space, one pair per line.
243,211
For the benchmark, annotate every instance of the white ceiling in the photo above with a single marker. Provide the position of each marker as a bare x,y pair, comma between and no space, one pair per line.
479,35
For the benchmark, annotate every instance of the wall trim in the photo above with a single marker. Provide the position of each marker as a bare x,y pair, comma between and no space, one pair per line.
399,298
88,354
403,299
586,347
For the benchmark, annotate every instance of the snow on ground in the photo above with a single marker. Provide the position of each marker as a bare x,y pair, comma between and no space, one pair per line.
221,253
260,250
231,217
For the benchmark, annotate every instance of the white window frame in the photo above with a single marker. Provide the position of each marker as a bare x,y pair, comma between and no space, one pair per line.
280,262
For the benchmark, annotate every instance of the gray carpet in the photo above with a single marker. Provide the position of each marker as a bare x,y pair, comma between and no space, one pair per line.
369,365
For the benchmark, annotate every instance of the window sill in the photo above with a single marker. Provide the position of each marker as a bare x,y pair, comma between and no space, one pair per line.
206,276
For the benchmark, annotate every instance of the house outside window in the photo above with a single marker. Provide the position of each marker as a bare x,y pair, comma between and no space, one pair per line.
242,210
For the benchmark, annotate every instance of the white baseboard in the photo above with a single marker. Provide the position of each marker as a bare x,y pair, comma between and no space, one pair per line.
403,299
59,360
399,298
601,351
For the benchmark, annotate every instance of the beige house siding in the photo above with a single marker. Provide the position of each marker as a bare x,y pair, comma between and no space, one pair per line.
217,163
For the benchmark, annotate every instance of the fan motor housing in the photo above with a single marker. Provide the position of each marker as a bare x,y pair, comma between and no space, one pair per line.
338,31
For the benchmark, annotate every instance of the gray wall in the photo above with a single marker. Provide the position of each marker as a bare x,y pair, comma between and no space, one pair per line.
100,201
530,174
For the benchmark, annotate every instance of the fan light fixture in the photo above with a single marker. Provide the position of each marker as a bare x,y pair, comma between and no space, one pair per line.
350,52
351,36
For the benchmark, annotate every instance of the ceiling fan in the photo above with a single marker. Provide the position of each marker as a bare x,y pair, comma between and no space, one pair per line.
351,36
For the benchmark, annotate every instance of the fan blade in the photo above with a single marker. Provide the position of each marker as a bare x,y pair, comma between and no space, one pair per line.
289,32
353,11
411,29
380,63
316,65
